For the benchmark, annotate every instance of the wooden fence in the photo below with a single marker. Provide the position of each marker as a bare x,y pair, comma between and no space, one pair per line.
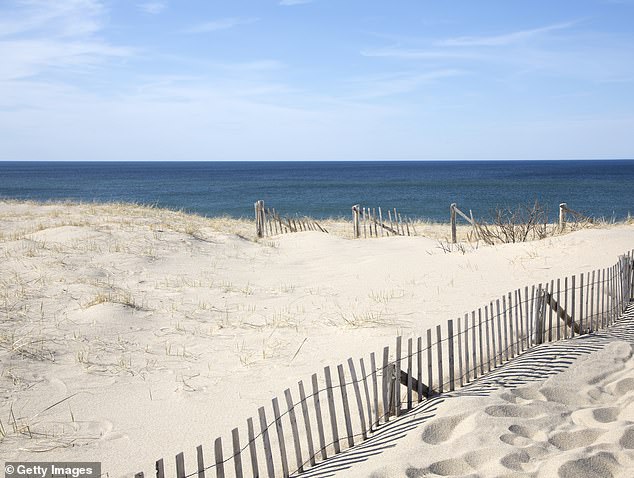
336,410
367,223
269,223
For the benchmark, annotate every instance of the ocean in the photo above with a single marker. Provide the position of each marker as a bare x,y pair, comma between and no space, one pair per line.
419,189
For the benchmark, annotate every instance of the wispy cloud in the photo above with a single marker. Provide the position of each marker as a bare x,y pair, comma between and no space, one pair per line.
416,54
153,8
290,3
219,24
59,19
504,39
397,83
53,36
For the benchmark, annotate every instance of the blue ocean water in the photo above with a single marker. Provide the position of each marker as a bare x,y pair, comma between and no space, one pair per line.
423,189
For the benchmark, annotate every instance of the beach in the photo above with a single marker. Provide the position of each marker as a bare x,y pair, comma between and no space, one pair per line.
130,333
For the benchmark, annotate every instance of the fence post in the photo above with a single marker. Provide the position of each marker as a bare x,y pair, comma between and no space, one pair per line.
355,221
258,224
562,215
452,212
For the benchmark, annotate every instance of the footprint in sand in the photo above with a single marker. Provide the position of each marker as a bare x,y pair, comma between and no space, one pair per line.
452,467
516,461
606,415
441,429
595,417
512,411
627,440
576,439
601,465
523,435
565,397
624,386
527,393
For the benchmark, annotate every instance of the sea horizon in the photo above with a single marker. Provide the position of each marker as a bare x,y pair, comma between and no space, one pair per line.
421,189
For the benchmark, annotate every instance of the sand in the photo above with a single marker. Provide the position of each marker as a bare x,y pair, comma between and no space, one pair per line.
130,333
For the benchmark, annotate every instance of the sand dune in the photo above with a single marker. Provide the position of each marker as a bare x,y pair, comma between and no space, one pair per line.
573,418
130,333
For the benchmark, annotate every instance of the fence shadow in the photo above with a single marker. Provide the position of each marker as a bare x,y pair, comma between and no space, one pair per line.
536,364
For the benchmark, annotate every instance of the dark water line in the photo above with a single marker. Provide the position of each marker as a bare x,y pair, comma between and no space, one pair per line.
422,189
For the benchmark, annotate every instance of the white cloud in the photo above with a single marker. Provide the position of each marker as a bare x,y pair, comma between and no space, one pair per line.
397,83
290,3
152,8
219,24
54,36
502,40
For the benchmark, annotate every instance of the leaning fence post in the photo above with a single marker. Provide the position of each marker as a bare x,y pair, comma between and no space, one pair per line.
562,215
452,211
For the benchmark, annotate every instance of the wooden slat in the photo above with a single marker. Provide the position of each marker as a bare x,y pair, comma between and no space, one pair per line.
200,460
550,311
592,314
531,319
525,331
220,464
480,347
508,317
450,352
307,424
430,365
439,350
604,321
409,373
419,368
255,470
160,469
320,422
266,440
499,327
488,340
294,430
566,291
466,348
538,315
332,410
375,389
366,389
505,320
237,452
397,364
357,396
373,223
381,221
517,310
558,298
346,405
280,437
460,359
180,465
386,385
582,319
572,313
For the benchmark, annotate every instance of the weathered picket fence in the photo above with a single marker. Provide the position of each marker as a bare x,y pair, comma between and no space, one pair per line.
367,223
332,416
268,222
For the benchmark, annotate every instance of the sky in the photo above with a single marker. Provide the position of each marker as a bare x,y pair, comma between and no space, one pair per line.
316,79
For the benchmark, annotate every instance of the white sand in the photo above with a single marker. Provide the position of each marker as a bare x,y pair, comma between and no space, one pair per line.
167,330
577,423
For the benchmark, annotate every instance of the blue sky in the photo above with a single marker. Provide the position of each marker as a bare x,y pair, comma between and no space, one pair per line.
316,80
